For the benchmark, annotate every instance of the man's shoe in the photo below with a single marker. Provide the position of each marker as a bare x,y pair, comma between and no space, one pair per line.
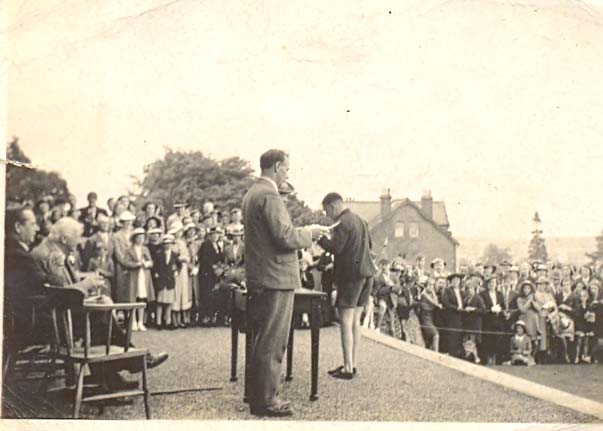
277,411
339,370
340,374
156,360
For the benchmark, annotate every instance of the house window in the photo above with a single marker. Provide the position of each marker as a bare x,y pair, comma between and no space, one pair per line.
399,230
413,230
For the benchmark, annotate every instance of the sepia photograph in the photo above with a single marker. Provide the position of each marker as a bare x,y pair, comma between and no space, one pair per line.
335,214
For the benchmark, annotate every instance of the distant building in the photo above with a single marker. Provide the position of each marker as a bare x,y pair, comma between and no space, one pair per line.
411,228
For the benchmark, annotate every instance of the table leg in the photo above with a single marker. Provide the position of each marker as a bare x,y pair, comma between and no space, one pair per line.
289,375
315,334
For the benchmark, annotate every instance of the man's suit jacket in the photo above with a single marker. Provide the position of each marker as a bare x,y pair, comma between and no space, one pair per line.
351,246
493,321
23,277
271,240
208,257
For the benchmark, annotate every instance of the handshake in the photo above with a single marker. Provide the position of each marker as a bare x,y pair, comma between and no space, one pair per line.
318,230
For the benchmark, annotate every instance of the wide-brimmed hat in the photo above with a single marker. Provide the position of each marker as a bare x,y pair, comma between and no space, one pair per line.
136,232
157,220
436,260
154,231
490,266
189,226
519,323
126,216
168,239
455,275
215,229
529,283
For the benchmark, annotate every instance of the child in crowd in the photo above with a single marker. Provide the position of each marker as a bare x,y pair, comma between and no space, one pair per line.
141,283
521,346
165,268
102,265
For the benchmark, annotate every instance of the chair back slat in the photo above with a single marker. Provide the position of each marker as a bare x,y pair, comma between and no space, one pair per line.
110,317
55,329
87,335
67,341
70,326
61,301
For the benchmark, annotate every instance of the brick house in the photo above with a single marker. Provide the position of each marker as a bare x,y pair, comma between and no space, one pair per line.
411,228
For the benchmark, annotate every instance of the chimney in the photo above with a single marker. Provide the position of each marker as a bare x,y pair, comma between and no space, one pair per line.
427,205
386,202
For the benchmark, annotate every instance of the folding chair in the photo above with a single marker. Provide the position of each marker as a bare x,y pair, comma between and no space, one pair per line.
63,302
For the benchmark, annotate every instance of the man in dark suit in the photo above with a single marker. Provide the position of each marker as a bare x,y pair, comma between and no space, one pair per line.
272,272
23,278
89,214
353,271
211,256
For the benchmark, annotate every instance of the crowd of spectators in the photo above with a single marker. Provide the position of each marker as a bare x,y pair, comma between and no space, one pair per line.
182,264
532,313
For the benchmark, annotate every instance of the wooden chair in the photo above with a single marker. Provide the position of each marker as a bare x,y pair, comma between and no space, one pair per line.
16,345
63,302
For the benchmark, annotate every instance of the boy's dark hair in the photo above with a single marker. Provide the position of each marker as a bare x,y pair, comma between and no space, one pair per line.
331,197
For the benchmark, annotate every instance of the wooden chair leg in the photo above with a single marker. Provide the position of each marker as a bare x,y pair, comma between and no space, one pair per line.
51,370
9,364
78,392
145,388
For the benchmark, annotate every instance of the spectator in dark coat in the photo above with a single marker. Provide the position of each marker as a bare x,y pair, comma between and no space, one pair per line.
493,321
165,267
452,303
211,256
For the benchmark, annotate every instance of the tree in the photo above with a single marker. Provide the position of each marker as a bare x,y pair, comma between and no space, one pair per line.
597,255
24,183
195,178
537,246
494,254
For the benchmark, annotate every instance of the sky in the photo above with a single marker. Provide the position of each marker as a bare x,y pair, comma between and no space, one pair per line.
495,107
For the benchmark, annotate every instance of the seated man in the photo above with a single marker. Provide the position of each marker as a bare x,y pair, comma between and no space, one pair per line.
23,278
51,255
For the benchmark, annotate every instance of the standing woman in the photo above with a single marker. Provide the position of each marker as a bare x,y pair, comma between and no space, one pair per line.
472,323
584,326
586,274
193,244
452,302
183,294
568,305
528,311
429,301
165,268
548,316
493,321
118,247
141,284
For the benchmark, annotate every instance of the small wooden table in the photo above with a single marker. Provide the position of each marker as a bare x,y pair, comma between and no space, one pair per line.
306,301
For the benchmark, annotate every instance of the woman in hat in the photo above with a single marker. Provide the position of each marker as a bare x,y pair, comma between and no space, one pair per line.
452,302
586,274
118,247
521,347
165,268
568,305
493,321
584,322
475,308
182,292
429,302
438,267
548,316
193,244
528,310
141,284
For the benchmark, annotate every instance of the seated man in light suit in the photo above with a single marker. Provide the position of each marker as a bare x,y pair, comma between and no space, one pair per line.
272,271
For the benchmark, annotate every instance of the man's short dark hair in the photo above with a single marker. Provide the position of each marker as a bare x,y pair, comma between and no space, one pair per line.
270,157
332,197
14,215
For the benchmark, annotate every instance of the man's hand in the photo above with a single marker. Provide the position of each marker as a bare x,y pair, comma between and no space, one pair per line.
318,230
